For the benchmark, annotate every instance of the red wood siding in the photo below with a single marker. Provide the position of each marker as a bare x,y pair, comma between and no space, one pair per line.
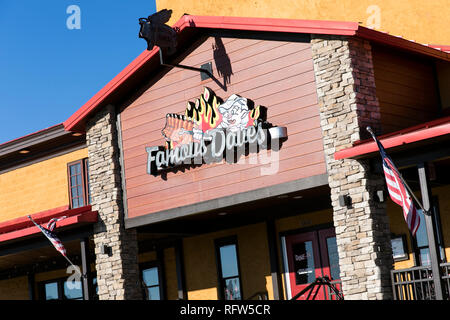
277,75
406,89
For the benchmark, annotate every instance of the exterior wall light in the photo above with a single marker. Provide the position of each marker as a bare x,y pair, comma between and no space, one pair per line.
379,196
345,201
105,249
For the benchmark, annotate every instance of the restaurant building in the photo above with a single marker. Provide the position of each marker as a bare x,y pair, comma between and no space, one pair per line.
219,229
240,167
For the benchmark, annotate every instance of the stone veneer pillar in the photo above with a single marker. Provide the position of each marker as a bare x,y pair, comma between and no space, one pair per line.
117,273
348,103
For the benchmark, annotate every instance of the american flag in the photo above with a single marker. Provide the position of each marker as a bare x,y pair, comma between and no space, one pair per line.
397,189
52,223
50,235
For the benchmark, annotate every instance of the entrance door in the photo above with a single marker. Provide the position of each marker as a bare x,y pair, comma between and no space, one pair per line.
330,259
311,255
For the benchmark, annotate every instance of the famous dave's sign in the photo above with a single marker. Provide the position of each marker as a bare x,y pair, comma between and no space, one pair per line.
211,131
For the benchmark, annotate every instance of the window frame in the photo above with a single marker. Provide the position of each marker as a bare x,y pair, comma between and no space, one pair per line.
222,242
60,285
84,164
148,265
405,255
439,238
86,180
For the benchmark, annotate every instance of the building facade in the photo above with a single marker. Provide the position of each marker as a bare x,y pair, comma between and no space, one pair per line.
255,177
44,175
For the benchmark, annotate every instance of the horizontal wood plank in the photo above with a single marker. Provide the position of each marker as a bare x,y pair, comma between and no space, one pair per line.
406,89
275,74
207,171
254,184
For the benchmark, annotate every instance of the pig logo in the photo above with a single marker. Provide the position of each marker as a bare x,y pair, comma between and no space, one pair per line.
234,113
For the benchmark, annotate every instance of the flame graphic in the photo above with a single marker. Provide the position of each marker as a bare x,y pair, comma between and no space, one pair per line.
253,116
205,111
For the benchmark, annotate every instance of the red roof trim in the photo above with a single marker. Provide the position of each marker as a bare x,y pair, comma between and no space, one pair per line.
75,122
421,132
21,227
441,47
269,24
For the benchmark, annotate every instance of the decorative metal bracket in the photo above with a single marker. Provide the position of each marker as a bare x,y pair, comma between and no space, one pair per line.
156,33
205,71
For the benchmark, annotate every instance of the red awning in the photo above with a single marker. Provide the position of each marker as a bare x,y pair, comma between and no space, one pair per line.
22,227
424,131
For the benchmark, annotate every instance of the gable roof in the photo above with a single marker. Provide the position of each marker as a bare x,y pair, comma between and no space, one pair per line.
51,141
149,60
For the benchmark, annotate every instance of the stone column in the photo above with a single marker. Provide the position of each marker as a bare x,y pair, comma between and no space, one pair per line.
118,271
348,103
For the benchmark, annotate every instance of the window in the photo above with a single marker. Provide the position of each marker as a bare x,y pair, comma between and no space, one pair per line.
230,287
151,282
78,174
304,262
399,249
51,291
422,250
333,257
62,289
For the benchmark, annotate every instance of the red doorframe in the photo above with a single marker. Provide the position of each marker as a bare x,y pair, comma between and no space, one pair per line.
324,234
300,248
313,243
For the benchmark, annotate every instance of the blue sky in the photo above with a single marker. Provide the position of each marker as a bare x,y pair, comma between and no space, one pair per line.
48,71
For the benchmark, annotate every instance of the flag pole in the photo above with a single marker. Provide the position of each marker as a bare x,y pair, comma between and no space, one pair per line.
369,129
68,260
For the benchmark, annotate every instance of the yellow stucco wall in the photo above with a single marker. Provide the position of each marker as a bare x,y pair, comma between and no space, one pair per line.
398,225
444,210
423,21
201,278
17,288
37,187
169,270
14,289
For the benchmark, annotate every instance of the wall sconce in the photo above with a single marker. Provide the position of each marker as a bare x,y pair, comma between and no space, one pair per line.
206,75
105,249
345,201
379,196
